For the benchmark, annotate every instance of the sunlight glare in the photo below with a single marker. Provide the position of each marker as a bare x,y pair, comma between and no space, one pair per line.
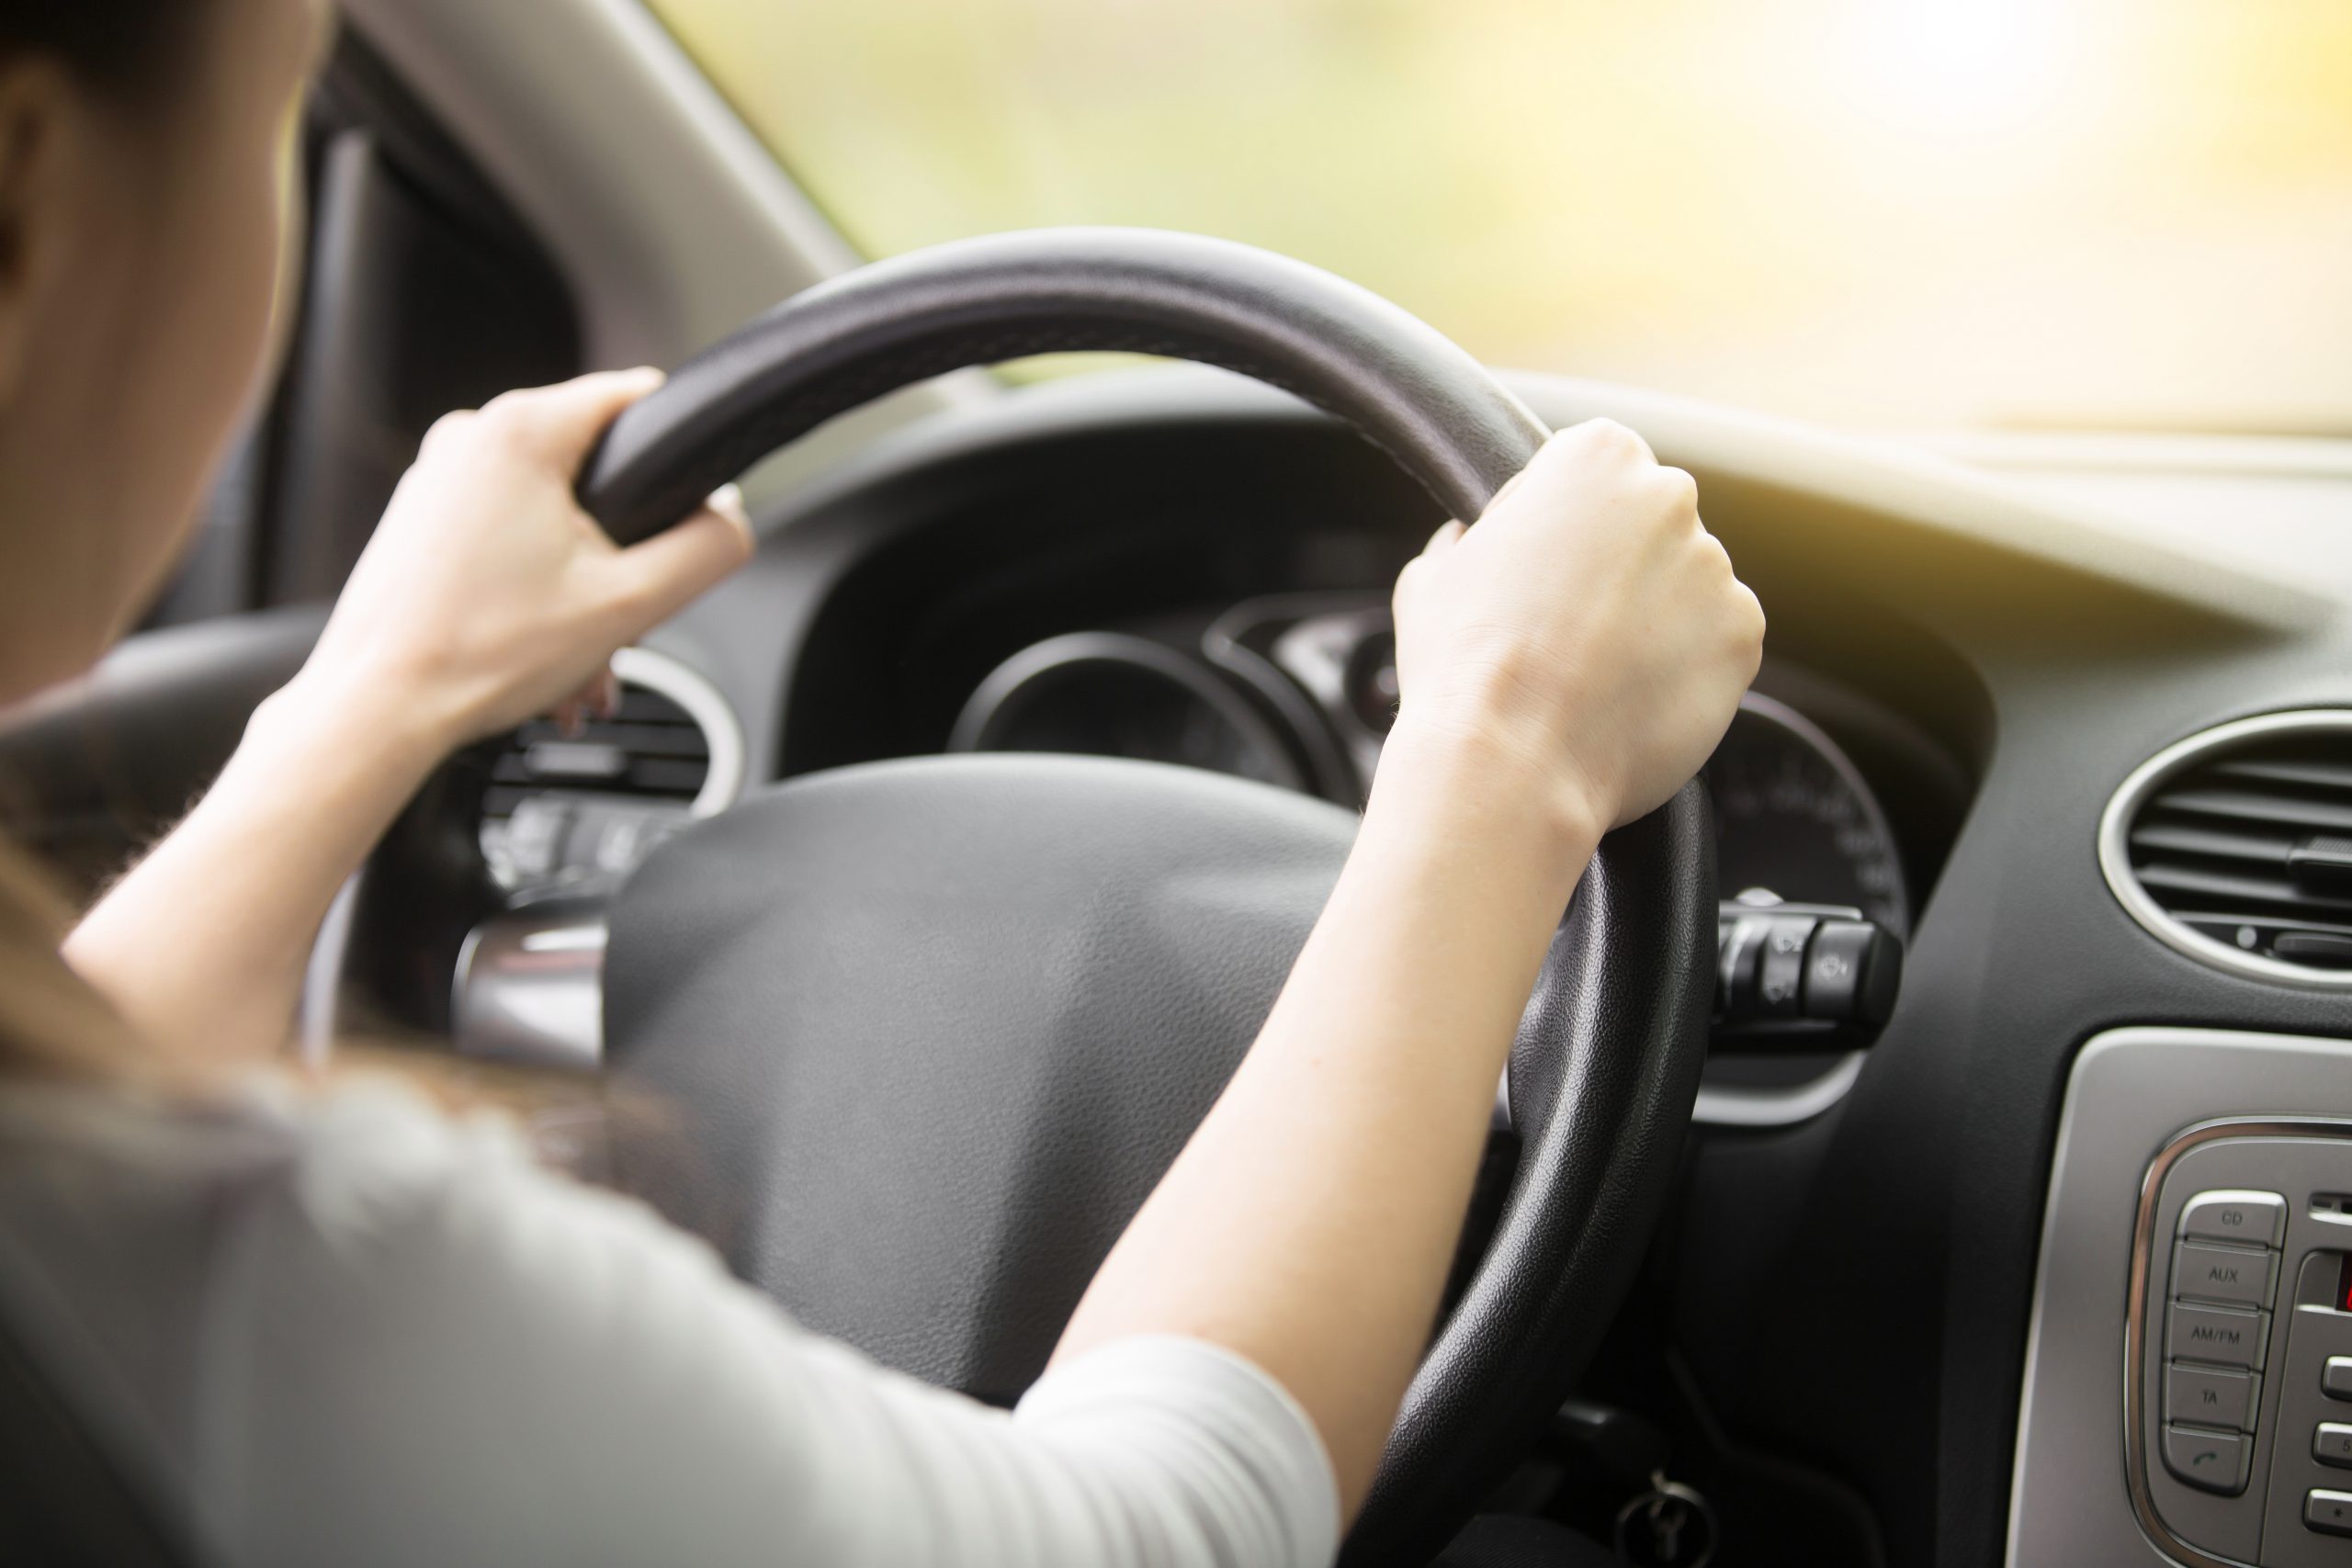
1964,66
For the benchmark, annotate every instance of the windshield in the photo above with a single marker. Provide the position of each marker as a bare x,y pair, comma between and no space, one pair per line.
2120,214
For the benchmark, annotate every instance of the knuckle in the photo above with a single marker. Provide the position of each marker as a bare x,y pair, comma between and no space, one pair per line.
1681,490
1606,434
506,416
451,433
1748,617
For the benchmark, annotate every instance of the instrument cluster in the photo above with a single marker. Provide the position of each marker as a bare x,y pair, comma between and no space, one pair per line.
1300,689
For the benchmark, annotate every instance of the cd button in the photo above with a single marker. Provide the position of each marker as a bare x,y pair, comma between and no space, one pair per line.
2256,1219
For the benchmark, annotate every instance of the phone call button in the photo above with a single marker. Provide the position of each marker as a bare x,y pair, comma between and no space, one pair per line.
2214,1461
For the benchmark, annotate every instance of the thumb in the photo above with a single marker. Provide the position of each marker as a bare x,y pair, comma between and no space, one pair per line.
666,572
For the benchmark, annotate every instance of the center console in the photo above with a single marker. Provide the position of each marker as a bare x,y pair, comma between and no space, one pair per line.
2238,1413
2189,1382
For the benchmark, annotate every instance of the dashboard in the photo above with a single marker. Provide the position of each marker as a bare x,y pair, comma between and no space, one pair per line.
1891,1261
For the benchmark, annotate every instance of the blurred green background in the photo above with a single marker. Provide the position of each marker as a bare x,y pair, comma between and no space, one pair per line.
1917,213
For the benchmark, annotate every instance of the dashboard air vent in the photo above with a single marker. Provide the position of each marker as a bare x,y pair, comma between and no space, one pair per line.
2235,847
563,809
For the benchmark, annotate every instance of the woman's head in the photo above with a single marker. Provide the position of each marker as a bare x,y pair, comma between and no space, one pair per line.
146,156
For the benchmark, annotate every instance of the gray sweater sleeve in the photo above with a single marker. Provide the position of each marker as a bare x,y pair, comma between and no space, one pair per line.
420,1348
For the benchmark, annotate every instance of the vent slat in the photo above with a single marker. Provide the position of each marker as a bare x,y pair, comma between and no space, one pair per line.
652,739
662,775
2222,921
2250,806
657,752
2191,839
2311,773
2171,876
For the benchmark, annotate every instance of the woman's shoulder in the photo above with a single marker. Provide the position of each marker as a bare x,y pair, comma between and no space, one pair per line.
135,1225
224,1282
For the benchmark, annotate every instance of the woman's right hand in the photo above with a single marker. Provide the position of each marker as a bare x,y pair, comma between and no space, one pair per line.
1588,630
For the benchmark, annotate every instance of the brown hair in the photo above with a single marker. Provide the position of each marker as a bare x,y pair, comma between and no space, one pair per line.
53,1025
125,47
51,1021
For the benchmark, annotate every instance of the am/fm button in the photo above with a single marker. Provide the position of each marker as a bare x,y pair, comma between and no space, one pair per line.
2223,1336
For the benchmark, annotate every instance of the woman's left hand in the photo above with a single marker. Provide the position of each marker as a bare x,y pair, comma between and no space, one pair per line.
487,595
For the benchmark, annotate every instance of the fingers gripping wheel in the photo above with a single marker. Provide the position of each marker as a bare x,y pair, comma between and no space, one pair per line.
731,987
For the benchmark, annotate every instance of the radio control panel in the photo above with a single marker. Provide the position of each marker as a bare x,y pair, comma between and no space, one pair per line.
2239,1409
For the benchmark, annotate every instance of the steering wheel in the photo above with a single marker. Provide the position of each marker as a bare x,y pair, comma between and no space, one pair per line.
936,1026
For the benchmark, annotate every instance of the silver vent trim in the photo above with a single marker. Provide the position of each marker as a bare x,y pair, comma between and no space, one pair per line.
720,728
2115,850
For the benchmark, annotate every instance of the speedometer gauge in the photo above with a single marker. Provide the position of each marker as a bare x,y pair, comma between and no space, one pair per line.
1108,693
1795,821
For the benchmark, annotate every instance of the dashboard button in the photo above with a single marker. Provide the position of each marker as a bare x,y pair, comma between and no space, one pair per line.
2228,1336
1833,967
1780,980
2336,1378
2211,1397
2332,1444
2206,1272
2258,1219
2330,1513
2211,1462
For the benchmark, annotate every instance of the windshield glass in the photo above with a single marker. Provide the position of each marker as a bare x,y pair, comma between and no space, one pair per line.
2121,214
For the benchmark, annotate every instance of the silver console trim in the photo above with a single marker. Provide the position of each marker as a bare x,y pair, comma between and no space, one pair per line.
2135,1326
2115,847
2130,1092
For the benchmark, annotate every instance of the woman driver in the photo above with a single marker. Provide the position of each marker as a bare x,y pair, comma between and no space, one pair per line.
322,1321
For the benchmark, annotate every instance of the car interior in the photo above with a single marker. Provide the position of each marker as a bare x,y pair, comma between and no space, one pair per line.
1931,1141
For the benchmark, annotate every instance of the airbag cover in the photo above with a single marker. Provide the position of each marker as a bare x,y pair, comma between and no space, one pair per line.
939,1025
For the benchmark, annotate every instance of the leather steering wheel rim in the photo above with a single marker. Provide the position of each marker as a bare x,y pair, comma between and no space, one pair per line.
1606,1069
845,342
